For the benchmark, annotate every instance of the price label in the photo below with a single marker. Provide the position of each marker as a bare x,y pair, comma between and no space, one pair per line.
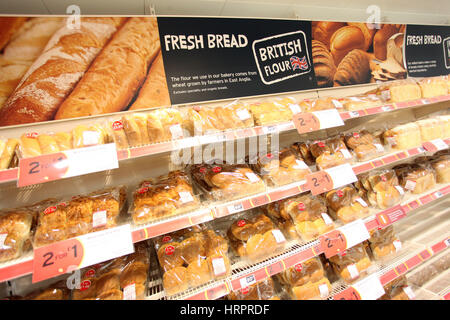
353,114
332,178
369,288
389,216
68,255
67,164
435,145
306,122
235,208
348,294
447,242
247,281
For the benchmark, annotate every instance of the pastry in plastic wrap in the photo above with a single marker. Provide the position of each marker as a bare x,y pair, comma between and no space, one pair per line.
225,181
441,166
401,90
47,143
64,140
431,129
270,112
417,178
359,102
7,153
280,168
403,137
445,122
384,243
346,204
191,257
29,145
86,136
310,105
163,197
80,215
15,231
352,264
56,291
254,236
433,87
365,145
262,290
382,187
306,280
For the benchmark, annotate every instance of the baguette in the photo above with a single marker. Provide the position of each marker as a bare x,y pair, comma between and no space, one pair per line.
154,93
8,26
53,75
117,72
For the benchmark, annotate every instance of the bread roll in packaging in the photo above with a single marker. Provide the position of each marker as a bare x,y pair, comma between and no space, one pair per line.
431,128
253,236
270,111
319,104
398,289
191,257
416,178
56,291
383,243
163,197
226,181
280,167
441,166
7,152
359,102
262,290
352,264
79,215
346,204
306,281
364,144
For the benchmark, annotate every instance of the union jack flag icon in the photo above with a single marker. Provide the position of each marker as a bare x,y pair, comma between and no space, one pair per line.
297,63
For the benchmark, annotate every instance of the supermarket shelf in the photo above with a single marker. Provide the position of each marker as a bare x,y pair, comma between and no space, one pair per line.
158,148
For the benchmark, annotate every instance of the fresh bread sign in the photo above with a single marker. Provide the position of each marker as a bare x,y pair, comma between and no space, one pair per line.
281,57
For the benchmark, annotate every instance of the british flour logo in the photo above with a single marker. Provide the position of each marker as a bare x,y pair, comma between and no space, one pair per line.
282,57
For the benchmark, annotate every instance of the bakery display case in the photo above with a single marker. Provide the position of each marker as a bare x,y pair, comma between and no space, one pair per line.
305,194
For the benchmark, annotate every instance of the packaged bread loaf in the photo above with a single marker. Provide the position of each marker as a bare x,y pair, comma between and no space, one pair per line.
306,280
433,87
116,73
82,214
416,178
405,136
445,122
269,112
253,236
365,145
308,214
262,290
123,278
346,204
15,232
86,136
191,258
56,291
8,152
359,102
399,91
382,187
441,166
162,197
351,264
383,243
431,129
282,167
310,105
56,71
226,181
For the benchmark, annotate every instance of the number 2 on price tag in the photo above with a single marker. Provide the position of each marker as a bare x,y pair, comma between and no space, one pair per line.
333,242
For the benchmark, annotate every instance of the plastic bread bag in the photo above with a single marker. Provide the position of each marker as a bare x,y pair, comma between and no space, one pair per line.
192,258
360,102
281,167
29,145
310,105
270,111
7,152
364,144
262,290
431,129
404,136
416,178
89,135
433,87
308,214
399,91
346,204
383,188
351,264
253,236
397,289
226,181
165,124
306,280
56,291
107,204
162,197
445,122
201,120
284,223
123,278
441,166
290,102
118,135
15,232
234,116
384,243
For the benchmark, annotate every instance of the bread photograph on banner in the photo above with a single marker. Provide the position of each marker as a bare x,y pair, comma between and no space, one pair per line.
355,53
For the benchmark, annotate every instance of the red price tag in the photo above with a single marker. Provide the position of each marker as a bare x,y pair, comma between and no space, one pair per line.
332,243
55,259
319,182
348,294
41,169
306,122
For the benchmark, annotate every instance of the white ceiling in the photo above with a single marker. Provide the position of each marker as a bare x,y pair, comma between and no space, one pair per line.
398,11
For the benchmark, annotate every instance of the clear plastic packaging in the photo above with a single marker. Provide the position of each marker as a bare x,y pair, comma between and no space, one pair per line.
162,197
226,181
399,91
382,187
7,153
123,278
56,291
262,290
282,167
87,136
402,137
15,232
384,243
80,215
306,281
307,214
191,257
365,145
270,112
253,236
310,105
325,154
433,87
352,264
441,166
395,290
445,122
416,178
360,102
431,129
346,204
